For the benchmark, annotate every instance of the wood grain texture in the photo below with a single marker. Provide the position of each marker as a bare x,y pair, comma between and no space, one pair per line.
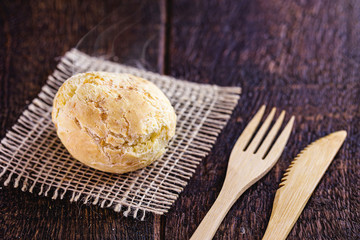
33,35
300,56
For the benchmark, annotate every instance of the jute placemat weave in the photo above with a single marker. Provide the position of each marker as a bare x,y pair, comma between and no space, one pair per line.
33,158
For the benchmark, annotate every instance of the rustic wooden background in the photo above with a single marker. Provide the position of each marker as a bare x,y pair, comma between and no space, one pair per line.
301,56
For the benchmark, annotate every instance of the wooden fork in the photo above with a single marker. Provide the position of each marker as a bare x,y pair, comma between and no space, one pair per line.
247,164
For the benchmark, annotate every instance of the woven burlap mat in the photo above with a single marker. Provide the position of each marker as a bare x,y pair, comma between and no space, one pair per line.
33,158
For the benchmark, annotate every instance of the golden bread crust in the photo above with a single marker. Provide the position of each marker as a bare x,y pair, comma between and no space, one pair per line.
113,122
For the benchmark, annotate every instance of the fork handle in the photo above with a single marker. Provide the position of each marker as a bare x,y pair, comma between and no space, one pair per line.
213,219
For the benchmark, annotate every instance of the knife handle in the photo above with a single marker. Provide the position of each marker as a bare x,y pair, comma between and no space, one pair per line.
283,218
277,230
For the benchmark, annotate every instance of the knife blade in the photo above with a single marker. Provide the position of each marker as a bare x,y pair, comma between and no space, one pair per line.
299,182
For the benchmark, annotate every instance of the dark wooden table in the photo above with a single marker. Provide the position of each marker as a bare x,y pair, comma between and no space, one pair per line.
300,56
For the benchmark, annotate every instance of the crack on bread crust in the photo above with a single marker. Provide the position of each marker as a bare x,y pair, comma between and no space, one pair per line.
138,145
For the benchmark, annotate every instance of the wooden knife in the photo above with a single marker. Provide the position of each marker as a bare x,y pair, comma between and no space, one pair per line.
298,183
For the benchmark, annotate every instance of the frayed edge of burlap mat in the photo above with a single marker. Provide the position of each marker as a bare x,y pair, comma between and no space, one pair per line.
33,158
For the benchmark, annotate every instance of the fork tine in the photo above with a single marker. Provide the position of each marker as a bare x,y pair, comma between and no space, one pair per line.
250,129
260,134
280,143
270,137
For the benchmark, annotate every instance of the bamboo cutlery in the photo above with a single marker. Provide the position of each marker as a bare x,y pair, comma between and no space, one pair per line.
253,156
